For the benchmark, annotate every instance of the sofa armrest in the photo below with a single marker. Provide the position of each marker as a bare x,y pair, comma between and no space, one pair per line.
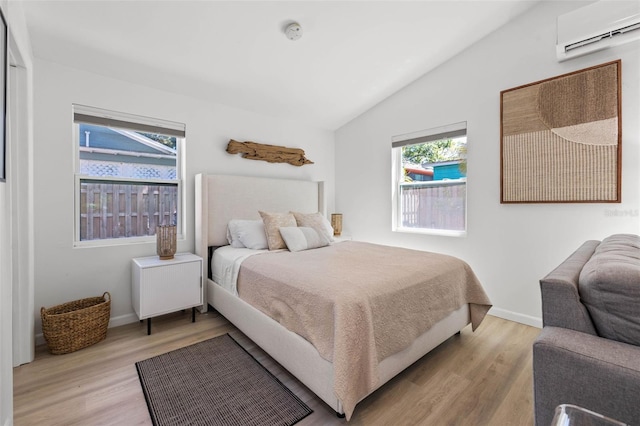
561,305
571,367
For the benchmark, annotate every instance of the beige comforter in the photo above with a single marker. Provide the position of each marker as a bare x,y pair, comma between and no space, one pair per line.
358,303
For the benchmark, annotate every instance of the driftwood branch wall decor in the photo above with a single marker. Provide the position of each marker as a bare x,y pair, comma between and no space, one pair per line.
561,137
269,153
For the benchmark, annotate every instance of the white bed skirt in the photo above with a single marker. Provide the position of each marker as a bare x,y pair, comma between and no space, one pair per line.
302,360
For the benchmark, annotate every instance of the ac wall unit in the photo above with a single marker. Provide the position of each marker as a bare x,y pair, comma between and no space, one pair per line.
600,25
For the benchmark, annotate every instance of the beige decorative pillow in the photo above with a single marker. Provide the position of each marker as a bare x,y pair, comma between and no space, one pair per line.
272,224
316,221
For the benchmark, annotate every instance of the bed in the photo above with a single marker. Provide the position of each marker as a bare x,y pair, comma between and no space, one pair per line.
334,371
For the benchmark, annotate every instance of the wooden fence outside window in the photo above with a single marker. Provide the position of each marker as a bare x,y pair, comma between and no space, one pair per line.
434,205
121,210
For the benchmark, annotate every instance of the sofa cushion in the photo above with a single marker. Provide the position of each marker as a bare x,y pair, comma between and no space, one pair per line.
609,286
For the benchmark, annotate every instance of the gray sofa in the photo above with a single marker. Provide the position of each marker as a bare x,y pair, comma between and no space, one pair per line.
588,352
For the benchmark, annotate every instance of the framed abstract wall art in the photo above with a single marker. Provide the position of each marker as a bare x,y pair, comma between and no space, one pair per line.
560,138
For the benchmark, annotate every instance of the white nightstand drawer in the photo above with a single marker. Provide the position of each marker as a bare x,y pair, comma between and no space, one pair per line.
163,286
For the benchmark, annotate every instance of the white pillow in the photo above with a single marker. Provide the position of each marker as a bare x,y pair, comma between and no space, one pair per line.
247,233
232,235
316,221
303,238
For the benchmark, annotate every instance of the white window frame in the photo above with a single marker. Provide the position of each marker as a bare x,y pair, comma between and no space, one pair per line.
82,113
397,174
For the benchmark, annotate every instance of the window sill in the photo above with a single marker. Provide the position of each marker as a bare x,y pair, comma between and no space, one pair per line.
114,242
441,232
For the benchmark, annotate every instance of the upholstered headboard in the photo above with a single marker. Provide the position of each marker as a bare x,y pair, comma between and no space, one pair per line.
220,198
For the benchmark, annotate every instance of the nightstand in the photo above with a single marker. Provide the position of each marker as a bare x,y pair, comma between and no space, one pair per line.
163,286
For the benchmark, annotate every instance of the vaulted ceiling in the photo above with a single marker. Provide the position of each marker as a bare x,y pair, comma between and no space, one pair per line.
352,54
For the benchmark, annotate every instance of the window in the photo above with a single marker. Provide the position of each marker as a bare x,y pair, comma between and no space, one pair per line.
430,181
127,174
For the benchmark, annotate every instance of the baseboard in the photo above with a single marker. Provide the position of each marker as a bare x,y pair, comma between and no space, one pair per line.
517,317
122,320
113,322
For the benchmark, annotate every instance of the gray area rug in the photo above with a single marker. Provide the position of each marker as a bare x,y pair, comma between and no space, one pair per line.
215,382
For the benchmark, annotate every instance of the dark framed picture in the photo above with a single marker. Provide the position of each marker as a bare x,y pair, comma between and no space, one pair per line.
561,138
3,97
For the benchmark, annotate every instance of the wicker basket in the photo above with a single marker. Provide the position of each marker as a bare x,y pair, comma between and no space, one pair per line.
76,325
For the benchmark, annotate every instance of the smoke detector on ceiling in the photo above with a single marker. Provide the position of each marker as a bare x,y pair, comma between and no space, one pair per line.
293,31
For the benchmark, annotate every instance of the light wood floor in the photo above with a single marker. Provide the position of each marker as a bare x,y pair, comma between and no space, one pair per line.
479,378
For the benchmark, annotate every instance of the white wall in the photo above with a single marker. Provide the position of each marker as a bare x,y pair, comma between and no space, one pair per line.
64,273
509,246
